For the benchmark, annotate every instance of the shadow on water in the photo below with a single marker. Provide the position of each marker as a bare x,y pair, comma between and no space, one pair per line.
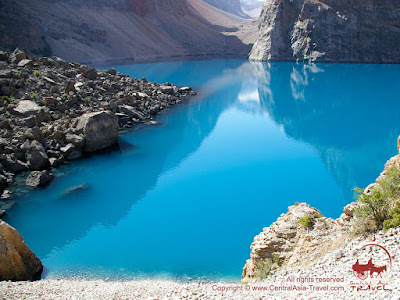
349,113
93,191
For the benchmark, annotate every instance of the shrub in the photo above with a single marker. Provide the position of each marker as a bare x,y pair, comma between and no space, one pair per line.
86,99
36,73
380,204
6,98
306,221
277,259
26,83
263,269
17,75
34,95
395,218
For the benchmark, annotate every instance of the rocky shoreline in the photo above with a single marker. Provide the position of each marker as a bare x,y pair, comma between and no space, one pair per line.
53,111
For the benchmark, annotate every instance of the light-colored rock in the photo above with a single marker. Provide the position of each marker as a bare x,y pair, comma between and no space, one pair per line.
17,56
25,63
17,261
27,108
100,130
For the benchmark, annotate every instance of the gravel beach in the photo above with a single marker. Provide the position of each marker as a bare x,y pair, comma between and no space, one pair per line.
331,277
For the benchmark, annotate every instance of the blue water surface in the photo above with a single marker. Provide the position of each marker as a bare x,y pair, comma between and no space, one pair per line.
185,198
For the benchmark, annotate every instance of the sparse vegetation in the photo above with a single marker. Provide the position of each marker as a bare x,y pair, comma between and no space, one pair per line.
381,205
6,98
277,259
26,83
34,95
86,99
306,221
36,73
17,75
263,269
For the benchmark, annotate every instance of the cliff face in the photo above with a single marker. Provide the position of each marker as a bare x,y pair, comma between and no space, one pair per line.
328,30
98,31
231,6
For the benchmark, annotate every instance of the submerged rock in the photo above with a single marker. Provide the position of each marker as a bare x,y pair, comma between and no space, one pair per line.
100,130
39,178
75,189
17,261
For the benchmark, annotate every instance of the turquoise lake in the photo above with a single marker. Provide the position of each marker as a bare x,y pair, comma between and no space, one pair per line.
186,197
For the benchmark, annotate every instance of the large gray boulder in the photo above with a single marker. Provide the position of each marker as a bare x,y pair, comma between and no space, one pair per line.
100,130
36,157
329,30
18,262
27,108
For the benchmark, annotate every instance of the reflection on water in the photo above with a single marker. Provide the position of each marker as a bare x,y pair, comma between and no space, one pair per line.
186,197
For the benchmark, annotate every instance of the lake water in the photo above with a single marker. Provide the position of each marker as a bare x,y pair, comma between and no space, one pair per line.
185,198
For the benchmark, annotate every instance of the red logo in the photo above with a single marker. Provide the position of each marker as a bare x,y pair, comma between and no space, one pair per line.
362,271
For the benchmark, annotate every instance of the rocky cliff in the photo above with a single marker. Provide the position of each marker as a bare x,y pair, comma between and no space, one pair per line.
329,30
101,31
303,237
231,6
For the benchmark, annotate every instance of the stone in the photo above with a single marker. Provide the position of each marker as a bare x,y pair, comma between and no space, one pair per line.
90,73
18,262
328,30
2,213
100,130
17,56
77,140
7,194
7,91
167,89
131,112
25,63
15,166
3,55
39,178
27,108
34,133
112,71
36,157
70,87
350,208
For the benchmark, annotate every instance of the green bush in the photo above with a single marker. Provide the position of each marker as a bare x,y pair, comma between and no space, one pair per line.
17,75
306,221
6,98
34,95
395,218
36,73
380,203
26,83
277,259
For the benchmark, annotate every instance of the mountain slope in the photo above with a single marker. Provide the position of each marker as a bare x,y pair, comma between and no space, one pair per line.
98,31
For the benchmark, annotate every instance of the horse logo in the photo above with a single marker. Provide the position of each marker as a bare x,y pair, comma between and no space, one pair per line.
363,270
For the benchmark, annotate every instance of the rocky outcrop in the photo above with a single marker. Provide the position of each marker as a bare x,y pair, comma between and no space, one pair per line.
302,236
100,130
231,6
292,241
329,30
60,110
17,261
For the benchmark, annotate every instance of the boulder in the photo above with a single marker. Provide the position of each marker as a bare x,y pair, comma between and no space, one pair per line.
17,56
18,262
25,63
34,133
90,73
36,157
100,130
39,178
14,165
27,108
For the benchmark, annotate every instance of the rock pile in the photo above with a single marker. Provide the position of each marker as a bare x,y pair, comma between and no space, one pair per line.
52,111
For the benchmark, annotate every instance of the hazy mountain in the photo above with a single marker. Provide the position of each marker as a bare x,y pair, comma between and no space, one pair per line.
99,31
